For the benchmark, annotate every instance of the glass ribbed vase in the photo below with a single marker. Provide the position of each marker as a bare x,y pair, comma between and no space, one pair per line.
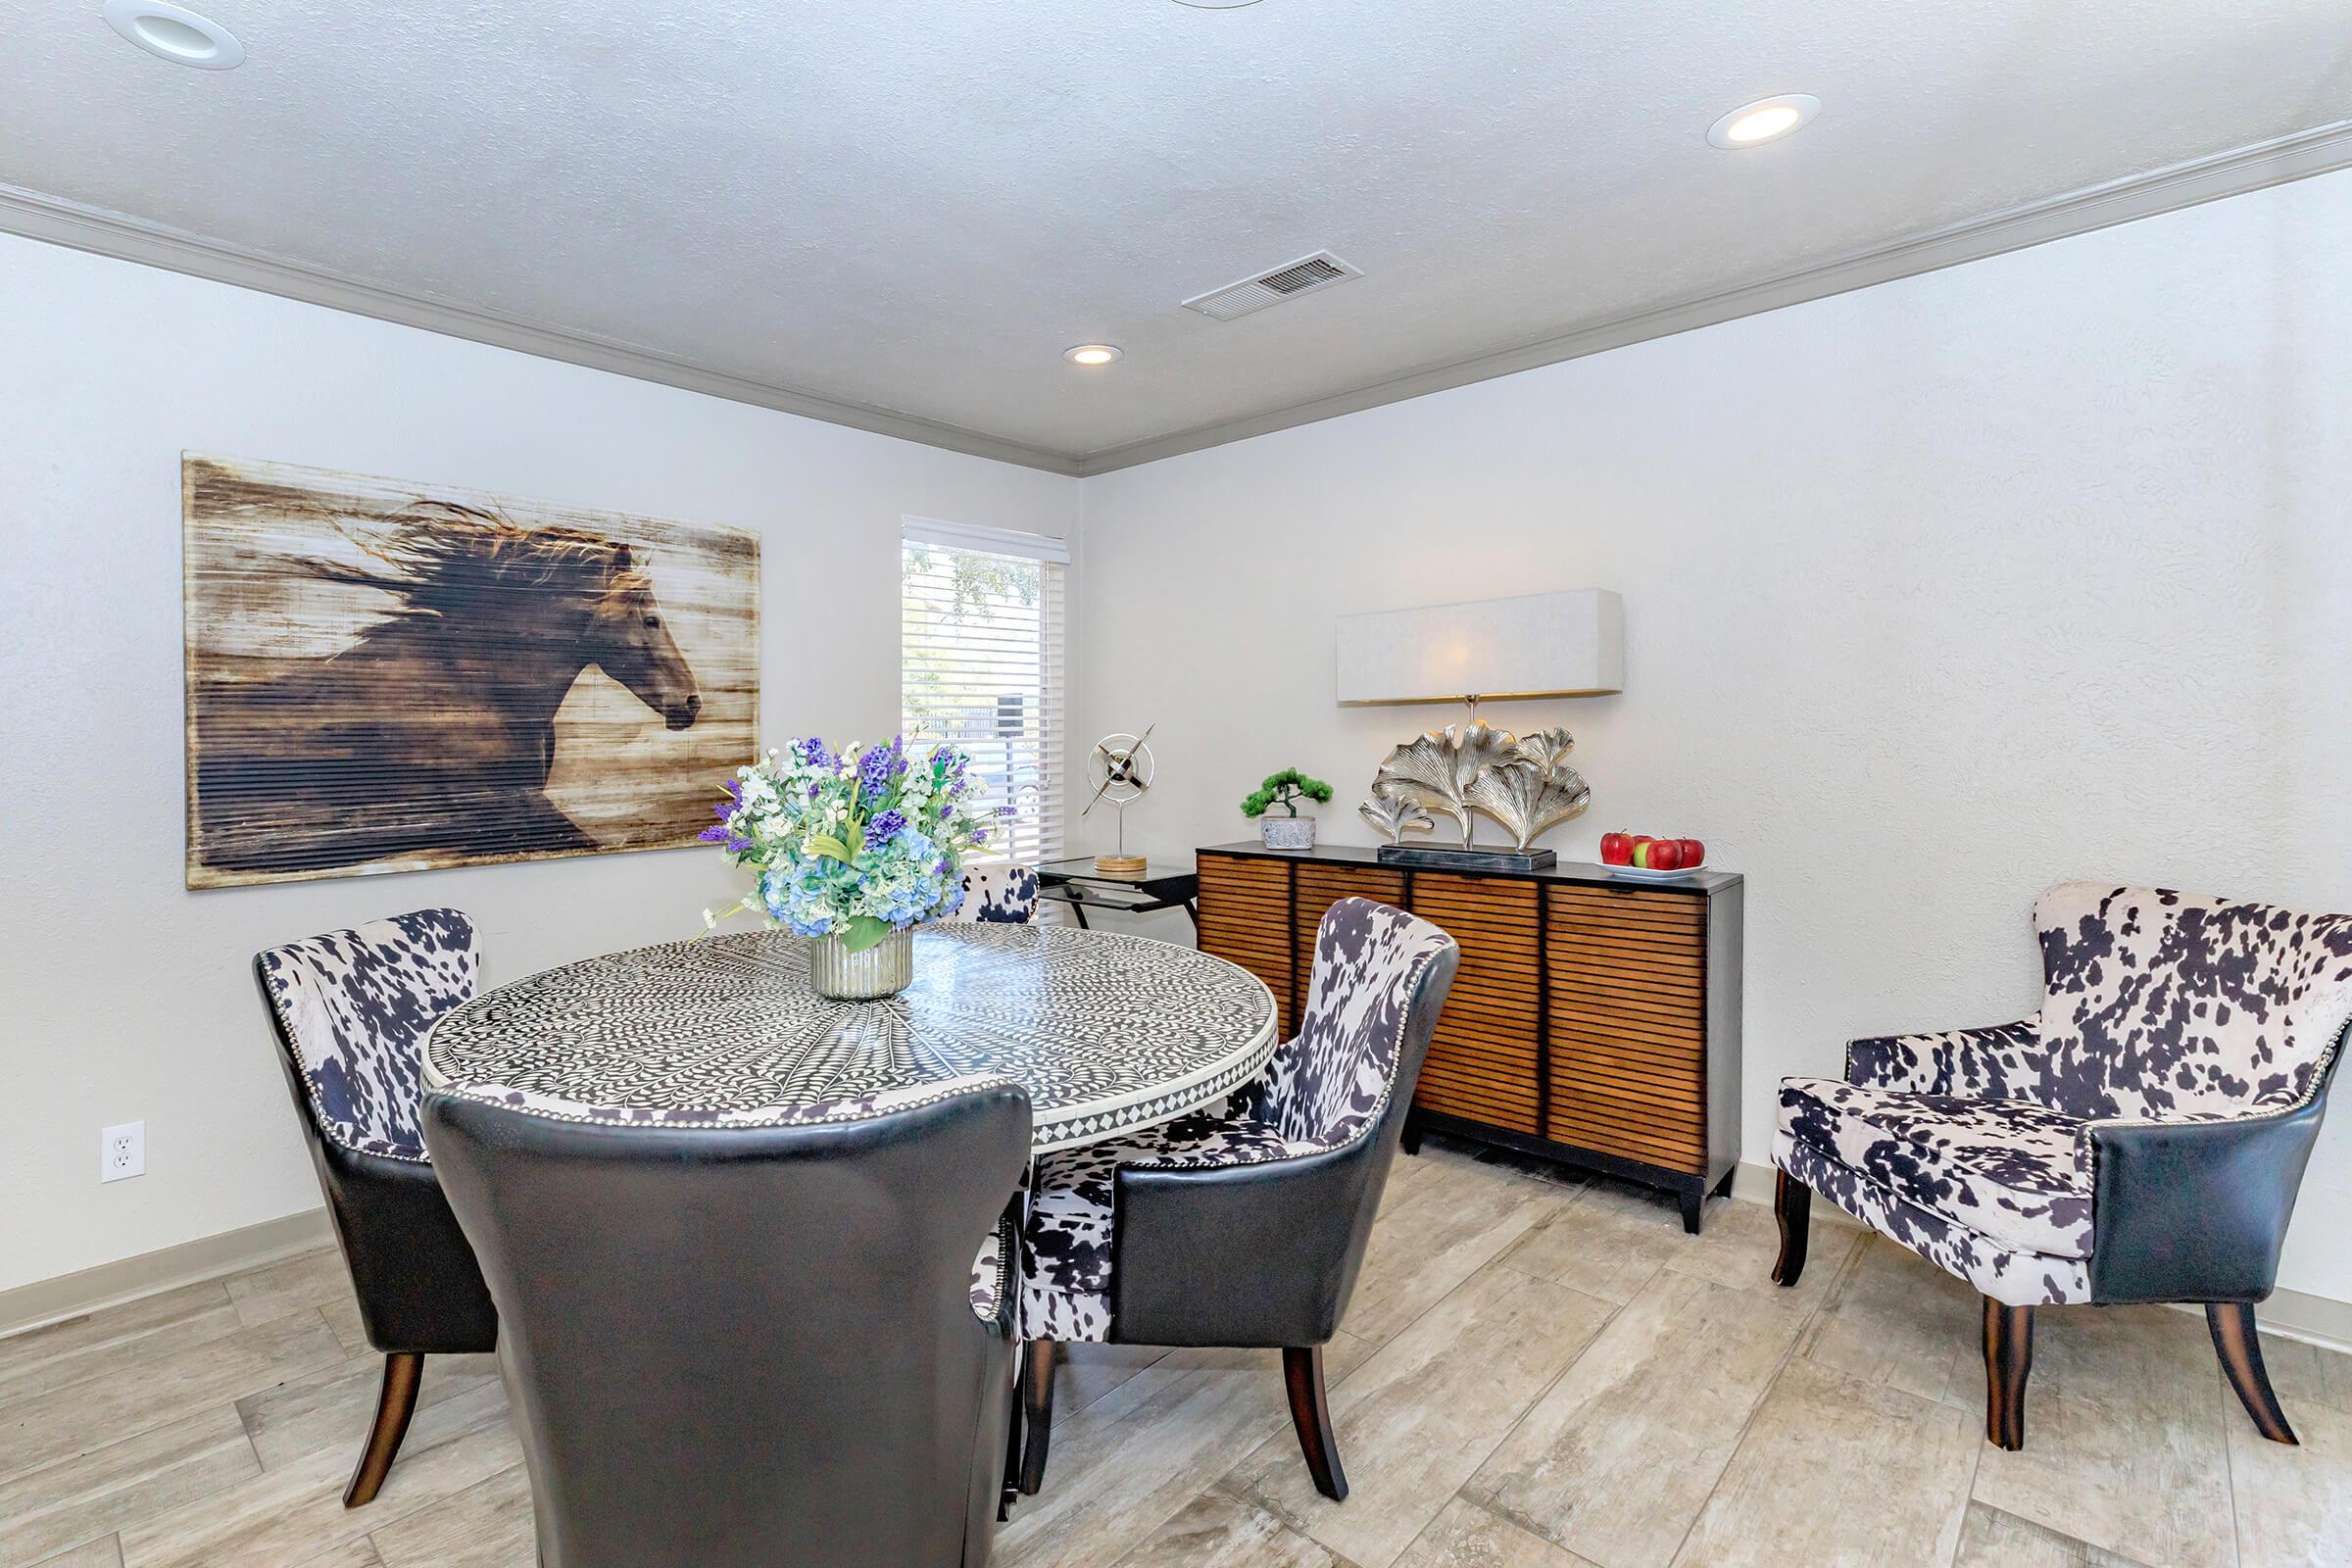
882,970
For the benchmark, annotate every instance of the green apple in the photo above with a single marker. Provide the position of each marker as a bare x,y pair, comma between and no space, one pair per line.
1641,854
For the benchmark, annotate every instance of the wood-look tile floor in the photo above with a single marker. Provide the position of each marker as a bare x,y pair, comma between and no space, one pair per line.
1534,1373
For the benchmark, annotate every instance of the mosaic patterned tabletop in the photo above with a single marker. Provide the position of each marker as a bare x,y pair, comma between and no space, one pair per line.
1108,1031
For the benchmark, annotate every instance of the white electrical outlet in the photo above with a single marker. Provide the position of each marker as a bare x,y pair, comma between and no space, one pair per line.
123,1151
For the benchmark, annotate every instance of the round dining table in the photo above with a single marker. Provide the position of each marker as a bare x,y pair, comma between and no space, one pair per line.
1108,1032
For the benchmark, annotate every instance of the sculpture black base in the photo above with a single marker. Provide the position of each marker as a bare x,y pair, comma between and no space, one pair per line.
1472,859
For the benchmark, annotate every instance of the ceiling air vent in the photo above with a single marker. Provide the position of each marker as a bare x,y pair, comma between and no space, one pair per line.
1286,283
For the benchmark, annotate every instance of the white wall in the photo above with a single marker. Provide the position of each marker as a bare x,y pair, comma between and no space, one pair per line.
1936,592
121,995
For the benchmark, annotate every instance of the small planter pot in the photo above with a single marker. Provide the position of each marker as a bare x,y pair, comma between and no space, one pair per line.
1287,832
882,970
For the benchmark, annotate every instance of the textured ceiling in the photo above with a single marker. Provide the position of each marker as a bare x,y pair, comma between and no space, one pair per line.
916,205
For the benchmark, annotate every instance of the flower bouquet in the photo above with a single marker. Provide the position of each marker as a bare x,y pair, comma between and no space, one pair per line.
854,848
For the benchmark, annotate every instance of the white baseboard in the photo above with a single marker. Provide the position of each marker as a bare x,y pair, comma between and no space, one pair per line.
2320,1320
207,1258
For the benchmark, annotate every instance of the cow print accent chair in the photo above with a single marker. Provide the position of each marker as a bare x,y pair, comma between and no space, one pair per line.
999,895
349,1009
749,1340
2139,1139
1243,1226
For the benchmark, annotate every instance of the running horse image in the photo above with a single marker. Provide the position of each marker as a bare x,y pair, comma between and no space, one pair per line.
486,688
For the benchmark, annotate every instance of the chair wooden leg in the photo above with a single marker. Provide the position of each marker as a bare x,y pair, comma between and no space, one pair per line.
2241,1350
1036,1412
2008,1358
1793,1206
403,1371
1310,1413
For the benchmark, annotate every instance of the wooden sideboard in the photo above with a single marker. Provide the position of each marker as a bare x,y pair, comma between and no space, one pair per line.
1595,1020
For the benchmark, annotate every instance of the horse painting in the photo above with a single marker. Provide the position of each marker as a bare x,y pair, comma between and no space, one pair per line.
378,681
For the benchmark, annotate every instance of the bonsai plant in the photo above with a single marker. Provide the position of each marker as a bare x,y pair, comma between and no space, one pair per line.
1285,789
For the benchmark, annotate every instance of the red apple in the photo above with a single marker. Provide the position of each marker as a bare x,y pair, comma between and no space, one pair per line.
1666,855
1616,849
1694,854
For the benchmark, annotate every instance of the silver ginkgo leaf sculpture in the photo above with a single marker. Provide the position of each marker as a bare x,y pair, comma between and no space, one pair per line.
1394,812
1529,800
1548,748
1526,785
1437,767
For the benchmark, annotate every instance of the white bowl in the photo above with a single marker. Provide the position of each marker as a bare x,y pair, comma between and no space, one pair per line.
1637,874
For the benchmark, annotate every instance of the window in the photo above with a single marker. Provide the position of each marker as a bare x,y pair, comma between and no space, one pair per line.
980,665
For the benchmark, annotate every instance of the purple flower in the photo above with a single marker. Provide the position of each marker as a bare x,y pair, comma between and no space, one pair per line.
812,789
873,774
813,753
1008,810
882,829
716,833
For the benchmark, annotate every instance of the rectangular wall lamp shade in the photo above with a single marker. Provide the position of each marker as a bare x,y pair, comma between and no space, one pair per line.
1567,644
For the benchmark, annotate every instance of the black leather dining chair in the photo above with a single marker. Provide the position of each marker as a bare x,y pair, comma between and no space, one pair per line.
1245,1226
349,1009
738,1340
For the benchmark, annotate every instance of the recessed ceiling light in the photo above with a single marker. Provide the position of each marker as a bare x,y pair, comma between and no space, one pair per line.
1765,120
1215,5
1091,354
176,34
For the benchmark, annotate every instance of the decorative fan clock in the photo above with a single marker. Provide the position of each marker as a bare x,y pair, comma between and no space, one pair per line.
1121,767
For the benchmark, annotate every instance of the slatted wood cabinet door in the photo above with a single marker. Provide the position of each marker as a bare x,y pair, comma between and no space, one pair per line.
1593,1020
1244,918
1625,993
1485,1061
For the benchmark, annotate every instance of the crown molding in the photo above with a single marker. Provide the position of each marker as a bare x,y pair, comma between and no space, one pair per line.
2235,173
101,233
2319,151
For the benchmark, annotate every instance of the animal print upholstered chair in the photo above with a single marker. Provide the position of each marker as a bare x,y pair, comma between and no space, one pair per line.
1245,1226
2139,1139
999,895
349,1009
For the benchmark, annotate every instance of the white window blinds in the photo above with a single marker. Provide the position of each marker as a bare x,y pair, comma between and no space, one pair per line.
980,665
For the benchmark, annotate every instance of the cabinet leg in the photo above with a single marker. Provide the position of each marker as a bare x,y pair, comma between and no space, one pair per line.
1723,1187
1691,1201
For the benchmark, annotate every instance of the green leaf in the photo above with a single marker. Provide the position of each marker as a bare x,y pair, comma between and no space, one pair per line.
830,848
863,931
